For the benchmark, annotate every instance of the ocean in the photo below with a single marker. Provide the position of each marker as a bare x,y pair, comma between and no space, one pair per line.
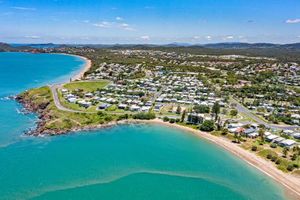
122,162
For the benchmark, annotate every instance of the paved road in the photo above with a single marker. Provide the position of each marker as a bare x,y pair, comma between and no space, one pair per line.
57,102
246,111
239,107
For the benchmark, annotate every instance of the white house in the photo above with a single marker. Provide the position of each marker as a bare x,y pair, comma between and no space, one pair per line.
287,143
271,137
135,108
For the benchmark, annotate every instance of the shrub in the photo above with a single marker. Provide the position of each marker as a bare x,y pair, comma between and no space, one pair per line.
100,113
207,125
145,116
294,157
108,118
274,158
201,109
296,165
224,131
254,148
233,112
278,161
290,168
166,119
172,121
121,117
273,145
269,156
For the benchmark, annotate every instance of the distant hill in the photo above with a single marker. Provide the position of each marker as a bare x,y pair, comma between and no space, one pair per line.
5,47
237,45
37,46
284,52
252,46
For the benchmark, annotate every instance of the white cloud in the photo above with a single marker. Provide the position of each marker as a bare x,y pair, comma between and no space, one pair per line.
119,18
86,21
145,37
32,37
229,37
208,37
104,24
124,25
196,37
292,21
23,8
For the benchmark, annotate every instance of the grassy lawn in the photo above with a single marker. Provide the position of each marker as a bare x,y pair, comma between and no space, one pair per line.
74,106
196,127
87,86
62,120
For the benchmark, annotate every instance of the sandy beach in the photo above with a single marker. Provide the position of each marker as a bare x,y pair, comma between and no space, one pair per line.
288,181
87,66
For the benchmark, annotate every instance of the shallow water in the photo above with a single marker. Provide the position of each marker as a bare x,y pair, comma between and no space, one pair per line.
123,162
21,71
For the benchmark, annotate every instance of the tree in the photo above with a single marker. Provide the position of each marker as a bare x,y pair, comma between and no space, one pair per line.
144,116
166,119
238,134
285,152
207,125
178,110
294,157
224,131
183,115
261,133
216,110
231,78
233,112
201,109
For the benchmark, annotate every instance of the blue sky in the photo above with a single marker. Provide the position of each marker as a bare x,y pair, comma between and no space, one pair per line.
145,21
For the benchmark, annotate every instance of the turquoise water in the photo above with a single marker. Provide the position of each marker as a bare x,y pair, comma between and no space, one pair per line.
21,71
123,162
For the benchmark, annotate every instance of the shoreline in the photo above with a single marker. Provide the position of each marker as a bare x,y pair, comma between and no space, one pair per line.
87,66
290,183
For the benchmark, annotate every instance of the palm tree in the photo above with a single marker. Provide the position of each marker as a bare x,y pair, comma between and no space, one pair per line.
261,133
285,152
183,115
238,134
216,110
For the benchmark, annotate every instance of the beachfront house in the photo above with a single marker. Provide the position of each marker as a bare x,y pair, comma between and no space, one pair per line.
64,91
145,108
122,106
103,106
195,118
84,103
278,140
233,127
287,143
271,137
134,108
253,135
296,135
89,95
72,99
